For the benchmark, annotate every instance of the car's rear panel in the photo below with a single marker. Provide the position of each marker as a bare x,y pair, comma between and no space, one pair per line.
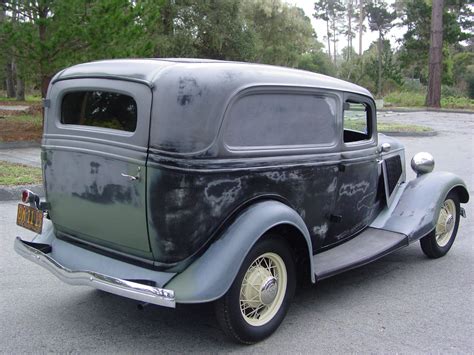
94,157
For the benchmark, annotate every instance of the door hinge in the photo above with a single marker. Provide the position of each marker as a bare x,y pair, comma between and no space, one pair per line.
46,103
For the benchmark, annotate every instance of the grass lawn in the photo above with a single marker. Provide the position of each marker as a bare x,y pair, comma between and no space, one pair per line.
359,125
18,174
416,99
398,127
29,100
20,128
18,125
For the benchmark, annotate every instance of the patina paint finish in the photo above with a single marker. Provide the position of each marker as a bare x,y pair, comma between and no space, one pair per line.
356,194
192,184
186,208
90,199
179,200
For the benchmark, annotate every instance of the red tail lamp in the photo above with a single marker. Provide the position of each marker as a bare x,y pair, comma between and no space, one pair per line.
27,196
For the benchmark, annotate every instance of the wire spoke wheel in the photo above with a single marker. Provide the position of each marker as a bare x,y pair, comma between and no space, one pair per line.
256,303
445,224
263,289
437,243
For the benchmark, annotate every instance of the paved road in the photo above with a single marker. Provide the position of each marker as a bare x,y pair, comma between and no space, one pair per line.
14,108
402,303
27,156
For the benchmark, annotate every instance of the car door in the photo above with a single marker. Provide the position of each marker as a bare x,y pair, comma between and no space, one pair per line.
94,156
358,170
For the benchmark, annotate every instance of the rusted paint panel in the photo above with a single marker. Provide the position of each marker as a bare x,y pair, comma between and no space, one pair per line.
356,195
90,200
416,209
186,208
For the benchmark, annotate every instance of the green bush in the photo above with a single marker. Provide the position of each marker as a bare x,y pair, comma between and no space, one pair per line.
470,85
457,102
413,85
417,99
453,91
404,99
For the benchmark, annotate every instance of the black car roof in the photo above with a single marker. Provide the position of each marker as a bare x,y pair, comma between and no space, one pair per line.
149,71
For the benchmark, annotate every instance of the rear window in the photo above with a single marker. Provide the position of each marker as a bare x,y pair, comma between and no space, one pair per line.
266,120
99,109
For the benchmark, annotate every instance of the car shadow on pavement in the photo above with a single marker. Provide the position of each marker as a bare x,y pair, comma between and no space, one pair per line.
194,326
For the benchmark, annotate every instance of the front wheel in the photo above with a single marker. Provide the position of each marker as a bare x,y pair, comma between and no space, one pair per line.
260,295
439,241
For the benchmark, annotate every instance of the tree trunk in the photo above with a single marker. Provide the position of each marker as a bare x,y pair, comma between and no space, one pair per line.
379,62
2,11
329,38
9,66
19,85
45,80
10,83
349,29
334,39
361,24
44,59
20,88
166,13
433,96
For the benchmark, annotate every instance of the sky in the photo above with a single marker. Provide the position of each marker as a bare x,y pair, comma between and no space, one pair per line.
368,36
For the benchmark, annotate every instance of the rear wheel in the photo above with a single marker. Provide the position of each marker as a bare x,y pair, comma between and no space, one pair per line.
439,241
260,295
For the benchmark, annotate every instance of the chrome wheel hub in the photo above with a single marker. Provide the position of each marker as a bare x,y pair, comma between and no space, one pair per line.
269,290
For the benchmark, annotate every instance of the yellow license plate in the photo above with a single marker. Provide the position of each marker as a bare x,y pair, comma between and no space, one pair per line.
30,218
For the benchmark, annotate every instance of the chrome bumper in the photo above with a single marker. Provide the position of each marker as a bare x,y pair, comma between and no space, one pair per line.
133,290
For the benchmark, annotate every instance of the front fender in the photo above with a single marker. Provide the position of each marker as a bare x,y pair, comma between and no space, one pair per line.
210,276
417,204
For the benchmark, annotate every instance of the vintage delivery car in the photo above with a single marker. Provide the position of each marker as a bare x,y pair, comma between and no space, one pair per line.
187,181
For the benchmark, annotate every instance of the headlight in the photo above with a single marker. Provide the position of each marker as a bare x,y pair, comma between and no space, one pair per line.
422,163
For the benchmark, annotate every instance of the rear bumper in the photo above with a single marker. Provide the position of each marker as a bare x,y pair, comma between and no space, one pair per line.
129,289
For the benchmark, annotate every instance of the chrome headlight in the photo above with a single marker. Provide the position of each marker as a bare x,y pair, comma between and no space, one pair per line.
422,163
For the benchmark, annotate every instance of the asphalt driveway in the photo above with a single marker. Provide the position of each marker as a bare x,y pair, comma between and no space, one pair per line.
401,303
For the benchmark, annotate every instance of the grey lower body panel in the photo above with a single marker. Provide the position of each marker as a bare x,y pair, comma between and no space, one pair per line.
366,247
143,291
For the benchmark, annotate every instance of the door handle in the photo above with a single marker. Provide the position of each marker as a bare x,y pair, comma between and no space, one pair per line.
131,177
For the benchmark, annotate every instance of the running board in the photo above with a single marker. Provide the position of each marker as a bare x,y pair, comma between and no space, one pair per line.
368,246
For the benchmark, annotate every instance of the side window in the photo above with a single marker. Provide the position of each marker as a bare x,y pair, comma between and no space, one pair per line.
99,109
356,122
270,120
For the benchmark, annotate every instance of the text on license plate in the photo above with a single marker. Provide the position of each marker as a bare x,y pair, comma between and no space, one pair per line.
30,218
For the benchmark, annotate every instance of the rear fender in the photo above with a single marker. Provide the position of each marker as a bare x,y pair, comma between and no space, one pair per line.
210,276
418,203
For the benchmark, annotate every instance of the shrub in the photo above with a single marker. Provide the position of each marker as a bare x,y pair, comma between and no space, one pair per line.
453,91
413,99
470,85
457,102
413,85
405,99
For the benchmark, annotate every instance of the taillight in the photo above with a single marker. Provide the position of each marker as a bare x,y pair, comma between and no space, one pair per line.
24,196
27,196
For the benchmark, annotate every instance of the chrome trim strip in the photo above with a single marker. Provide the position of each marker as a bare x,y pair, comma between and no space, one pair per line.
129,289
